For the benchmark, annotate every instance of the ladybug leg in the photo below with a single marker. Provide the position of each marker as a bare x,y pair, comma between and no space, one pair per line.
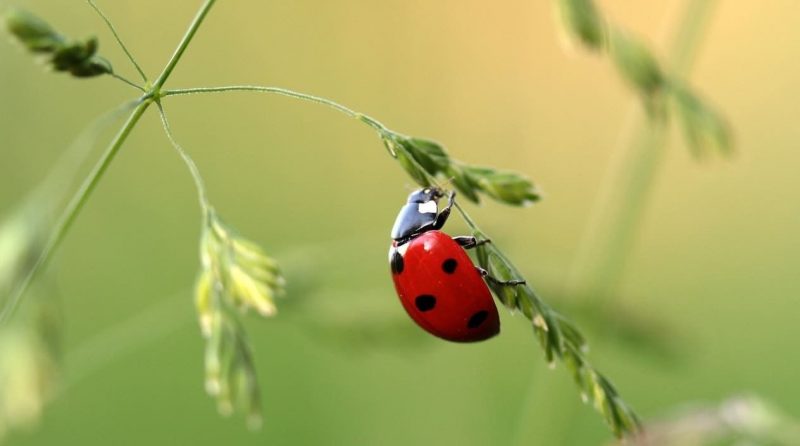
441,219
496,281
469,242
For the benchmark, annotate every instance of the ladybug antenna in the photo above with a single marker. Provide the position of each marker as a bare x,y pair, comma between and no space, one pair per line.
447,183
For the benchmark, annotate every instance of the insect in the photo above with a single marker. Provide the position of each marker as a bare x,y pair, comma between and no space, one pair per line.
438,285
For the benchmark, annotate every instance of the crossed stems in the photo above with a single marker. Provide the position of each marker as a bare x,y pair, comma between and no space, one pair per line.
153,93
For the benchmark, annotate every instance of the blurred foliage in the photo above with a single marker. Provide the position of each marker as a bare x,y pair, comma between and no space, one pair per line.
30,345
738,421
706,129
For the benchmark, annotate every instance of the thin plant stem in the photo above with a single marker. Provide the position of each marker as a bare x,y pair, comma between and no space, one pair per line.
72,210
617,213
184,43
283,92
131,83
190,164
119,40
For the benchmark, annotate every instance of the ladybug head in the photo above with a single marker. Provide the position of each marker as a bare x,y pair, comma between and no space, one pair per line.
426,195
418,214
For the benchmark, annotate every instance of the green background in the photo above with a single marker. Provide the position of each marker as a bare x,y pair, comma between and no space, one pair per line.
715,263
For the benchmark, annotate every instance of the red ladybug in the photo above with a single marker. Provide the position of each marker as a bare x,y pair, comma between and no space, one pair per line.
440,288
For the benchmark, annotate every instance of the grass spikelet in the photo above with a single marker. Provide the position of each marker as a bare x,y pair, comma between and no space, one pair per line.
236,276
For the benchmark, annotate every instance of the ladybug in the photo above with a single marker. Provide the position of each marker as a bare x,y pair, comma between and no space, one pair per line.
438,285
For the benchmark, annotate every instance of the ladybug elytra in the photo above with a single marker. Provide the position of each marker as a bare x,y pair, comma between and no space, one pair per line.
438,285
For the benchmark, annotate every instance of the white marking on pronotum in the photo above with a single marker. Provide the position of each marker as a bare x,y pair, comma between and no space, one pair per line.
400,249
429,207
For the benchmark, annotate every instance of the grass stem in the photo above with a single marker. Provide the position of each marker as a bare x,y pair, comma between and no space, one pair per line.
184,43
127,81
283,92
190,164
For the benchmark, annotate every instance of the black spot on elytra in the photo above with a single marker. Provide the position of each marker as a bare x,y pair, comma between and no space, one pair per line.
425,302
397,263
477,319
449,266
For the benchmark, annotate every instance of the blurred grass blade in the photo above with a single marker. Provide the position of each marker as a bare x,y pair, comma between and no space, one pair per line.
704,128
740,420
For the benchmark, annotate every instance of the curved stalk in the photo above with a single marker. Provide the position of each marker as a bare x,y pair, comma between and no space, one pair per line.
282,92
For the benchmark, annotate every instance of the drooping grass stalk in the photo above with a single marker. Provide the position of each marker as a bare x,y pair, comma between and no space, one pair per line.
620,205
559,339
93,179
283,92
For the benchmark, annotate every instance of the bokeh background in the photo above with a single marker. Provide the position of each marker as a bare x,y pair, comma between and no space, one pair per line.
715,261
